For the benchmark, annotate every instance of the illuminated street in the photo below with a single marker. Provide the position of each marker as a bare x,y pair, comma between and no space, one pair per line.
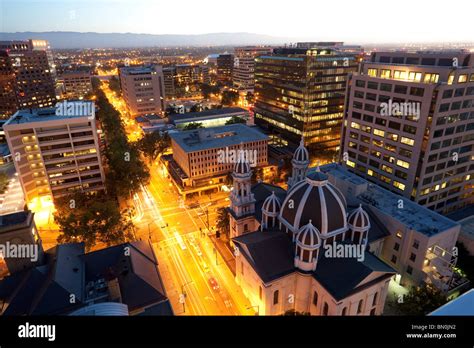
188,261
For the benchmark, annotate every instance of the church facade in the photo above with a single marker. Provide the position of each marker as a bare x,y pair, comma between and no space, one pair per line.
301,250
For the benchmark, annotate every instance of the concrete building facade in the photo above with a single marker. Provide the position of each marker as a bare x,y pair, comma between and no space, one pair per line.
143,89
55,155
409,126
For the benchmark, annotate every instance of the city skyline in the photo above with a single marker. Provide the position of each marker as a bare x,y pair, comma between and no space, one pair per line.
366,24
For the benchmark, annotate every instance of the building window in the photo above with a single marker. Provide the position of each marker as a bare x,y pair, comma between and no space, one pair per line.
412,257
260,292
276,294
409,269
315,298
396,247
374,302
372,311
359,307
325,309
393,259
416,244
344,311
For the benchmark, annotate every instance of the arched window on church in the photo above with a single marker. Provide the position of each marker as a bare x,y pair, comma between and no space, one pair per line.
276,295
325,309
359,307
374,302
344,311
315,298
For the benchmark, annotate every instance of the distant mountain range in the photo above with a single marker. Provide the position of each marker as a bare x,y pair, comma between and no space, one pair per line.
68,39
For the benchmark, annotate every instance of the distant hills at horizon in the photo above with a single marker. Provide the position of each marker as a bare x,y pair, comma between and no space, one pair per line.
71,40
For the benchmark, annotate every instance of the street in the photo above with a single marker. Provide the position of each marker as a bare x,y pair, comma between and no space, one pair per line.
196,277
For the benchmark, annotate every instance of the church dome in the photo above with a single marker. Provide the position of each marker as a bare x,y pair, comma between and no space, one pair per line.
241,167
301,154
271,205
358,219
308,237
315,199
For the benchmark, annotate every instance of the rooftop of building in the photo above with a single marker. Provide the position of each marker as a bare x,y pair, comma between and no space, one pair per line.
463,213
137,70
461,306
102,276
271,253
438,58
412,215
216,137
47,114
13,219
206,113
4,149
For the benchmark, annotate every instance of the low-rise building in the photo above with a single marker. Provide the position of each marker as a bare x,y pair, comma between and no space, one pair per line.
208,118
203,158
73,282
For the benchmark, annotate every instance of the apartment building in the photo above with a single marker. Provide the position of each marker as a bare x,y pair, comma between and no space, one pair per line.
143,89
244,66
203,158
300,92
409,126
55,155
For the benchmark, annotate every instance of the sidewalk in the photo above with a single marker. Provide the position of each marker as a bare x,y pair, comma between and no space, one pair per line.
171,291
225,251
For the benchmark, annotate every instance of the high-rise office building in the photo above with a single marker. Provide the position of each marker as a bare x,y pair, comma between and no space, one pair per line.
409,126
143,89
244,66
56,153
183,79
225,66
76,84
32,65
8,99
300,93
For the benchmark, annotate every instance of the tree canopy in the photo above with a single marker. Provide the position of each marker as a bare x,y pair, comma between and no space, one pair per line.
126,170
193,125
154,143
91,218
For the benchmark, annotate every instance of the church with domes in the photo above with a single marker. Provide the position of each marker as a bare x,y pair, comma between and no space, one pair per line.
305,250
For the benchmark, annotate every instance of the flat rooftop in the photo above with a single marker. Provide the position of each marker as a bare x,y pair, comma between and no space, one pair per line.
463,305
13,219
413,215
41,115
216,137
467,227
137,70
207,113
